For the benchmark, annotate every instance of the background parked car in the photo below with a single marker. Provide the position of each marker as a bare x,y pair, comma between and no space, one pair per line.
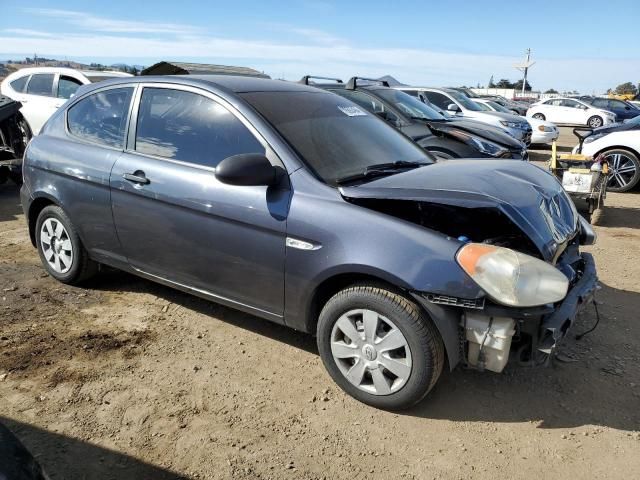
620,144
42,90
442,137
459,104
623,109
512,106
543,132
571,111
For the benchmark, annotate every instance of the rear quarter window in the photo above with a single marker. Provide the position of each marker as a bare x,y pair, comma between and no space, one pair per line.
101,117
19,83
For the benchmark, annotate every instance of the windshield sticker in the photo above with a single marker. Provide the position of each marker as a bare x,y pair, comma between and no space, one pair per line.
353,111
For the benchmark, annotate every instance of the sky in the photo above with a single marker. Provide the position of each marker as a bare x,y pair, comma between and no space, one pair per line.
585,45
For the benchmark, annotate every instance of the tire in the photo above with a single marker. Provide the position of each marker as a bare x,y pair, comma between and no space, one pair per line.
539,116
413,353
61,251
596,216
595,121
624,169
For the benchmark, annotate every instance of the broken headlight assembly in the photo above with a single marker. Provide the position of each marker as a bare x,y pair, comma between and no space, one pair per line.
512,278
480,144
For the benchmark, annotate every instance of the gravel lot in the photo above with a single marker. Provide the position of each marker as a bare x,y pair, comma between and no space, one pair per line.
126,379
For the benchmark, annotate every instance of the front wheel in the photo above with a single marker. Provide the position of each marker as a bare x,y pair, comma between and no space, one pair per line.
595,122
539,116
624,170
379,347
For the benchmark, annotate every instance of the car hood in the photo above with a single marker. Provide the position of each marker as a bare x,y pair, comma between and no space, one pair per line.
507,116
529,197
616,127
484,130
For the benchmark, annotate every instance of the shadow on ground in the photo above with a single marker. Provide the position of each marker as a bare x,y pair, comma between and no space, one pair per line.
620,217
10,202
63,457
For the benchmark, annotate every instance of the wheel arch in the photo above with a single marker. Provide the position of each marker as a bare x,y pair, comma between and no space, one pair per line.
445,320
618,147
35,207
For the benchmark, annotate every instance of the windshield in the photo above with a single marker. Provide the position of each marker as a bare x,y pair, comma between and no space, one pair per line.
410,106
497,107
333,136
484,106
465,101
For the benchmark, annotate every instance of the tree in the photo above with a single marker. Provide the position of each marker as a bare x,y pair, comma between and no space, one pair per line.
491,84
504,83
551,90
518,86
626,88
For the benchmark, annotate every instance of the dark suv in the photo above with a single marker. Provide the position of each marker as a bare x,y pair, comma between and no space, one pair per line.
300,207
440,136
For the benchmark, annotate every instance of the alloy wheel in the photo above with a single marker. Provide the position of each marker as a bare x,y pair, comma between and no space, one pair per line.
622,170
56,245
371,352
595,122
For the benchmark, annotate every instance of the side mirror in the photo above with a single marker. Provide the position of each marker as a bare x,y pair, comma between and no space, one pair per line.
247,169
452,107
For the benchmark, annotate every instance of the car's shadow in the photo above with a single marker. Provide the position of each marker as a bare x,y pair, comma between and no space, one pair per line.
10,207
64,457
620,217
563,395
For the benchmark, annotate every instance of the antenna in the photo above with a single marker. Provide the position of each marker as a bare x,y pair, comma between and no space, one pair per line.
524,68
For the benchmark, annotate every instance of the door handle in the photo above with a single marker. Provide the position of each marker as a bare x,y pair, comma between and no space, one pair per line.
136,177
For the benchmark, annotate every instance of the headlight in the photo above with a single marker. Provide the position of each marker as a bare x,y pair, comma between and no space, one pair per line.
482,145
544,128
591,138
518,125
510,277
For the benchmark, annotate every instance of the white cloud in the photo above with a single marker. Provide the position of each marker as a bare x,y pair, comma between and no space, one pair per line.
90,22
311,51
26,32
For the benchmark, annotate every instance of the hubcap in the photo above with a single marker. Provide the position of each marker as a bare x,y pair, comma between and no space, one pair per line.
56,245
622,170
595,123
371,352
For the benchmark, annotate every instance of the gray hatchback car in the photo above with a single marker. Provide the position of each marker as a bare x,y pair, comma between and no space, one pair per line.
296,205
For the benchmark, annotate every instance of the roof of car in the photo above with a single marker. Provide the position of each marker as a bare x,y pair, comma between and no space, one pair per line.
236,84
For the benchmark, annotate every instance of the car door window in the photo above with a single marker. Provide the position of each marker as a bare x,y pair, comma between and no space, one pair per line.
101,117
600,103
572,104
554,103
67,86
370,104
439,99
616,105
41,84
191,128
19,83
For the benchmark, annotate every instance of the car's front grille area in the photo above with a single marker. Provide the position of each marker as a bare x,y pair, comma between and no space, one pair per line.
477,303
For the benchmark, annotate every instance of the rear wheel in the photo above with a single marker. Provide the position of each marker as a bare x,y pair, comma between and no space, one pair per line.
595,121
379,347
61,251
624,170
539,116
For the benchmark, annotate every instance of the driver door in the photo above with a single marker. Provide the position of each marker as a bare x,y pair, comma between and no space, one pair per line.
177,223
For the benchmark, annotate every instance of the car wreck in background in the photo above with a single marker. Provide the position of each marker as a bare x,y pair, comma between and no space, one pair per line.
13,140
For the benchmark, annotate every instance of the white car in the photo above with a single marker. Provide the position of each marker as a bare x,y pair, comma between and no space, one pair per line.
620,144
460,105
570,111
42,90
543,132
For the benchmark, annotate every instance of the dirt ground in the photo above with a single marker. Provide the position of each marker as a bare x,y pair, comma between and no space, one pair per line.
126,379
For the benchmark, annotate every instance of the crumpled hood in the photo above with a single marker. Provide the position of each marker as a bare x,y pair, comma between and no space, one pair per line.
530,197
484,130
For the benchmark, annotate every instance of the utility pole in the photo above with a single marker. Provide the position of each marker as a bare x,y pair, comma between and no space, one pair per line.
524,68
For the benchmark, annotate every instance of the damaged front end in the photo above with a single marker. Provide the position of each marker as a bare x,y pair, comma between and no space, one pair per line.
531,292
14,137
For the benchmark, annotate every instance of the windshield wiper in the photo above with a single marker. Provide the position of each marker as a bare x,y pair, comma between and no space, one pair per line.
381,169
